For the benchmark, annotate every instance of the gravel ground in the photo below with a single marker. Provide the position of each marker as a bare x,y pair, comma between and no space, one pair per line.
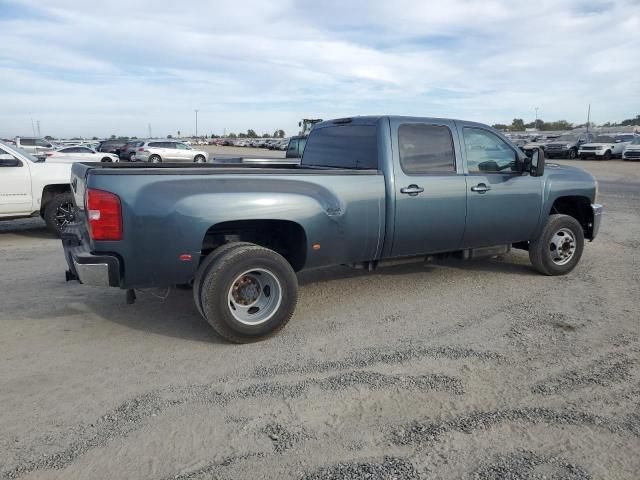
455,370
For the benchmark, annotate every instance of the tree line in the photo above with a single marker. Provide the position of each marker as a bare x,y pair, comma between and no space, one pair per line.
518,125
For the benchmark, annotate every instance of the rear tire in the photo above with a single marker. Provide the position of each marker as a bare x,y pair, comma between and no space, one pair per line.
155,159
132,157
204,268
199,159
59,212
248,293
559,248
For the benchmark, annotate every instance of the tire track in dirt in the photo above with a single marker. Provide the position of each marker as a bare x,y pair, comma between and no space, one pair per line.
129,416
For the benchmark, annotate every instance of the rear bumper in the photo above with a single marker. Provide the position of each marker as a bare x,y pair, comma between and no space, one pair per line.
597,219
89,269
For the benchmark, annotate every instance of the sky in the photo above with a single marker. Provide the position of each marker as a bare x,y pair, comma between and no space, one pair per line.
117,67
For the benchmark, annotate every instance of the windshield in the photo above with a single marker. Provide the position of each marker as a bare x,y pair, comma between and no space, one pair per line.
22,152
603,139
570,137
624,138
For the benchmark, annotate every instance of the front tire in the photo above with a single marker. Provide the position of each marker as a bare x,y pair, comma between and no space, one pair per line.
558,249
199,159
607,155
106,159
155,159
572,154
248,293
59,212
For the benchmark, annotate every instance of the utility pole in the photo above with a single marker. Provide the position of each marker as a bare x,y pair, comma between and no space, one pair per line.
149,126
196,123
536,125
33,128
38,125
588,117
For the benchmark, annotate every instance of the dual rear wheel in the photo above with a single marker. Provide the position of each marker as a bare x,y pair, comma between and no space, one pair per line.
245,292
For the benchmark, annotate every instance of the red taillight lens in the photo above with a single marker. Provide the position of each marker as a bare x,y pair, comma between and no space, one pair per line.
141,149
104,214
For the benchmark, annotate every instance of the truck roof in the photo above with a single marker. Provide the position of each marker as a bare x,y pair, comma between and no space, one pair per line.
373,119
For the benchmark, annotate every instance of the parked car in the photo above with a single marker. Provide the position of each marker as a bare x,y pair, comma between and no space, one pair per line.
34,145
158,151
30,187
632,151
604,147
567,145
295,147
80,154
111,146
129,149
369,190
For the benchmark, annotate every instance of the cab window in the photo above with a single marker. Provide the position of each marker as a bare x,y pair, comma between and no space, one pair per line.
426,149
488,153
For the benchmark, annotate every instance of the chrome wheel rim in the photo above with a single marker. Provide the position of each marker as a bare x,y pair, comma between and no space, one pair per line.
199,159
155,160
562,246
65,214
254,296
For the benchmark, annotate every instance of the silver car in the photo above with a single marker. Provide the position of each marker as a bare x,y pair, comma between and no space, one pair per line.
158,151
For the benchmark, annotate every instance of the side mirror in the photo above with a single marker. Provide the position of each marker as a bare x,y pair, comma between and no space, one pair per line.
536,164
8,160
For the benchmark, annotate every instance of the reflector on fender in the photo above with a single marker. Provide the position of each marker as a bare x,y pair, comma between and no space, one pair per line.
104,215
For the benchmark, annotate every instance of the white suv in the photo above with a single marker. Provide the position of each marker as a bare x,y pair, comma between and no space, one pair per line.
34,145
158,151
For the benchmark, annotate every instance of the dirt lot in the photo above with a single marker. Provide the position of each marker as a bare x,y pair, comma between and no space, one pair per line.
463,370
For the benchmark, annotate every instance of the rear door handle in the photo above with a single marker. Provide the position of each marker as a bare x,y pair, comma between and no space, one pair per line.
412,190
480,188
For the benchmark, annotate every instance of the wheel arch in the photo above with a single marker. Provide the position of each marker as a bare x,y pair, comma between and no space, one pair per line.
51,191
286,237
578,207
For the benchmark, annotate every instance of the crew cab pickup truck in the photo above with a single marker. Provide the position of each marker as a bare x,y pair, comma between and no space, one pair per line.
369,190
31,187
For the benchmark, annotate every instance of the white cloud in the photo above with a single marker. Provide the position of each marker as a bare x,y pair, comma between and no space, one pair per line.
84,71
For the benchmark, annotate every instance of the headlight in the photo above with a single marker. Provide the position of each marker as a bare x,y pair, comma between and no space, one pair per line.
600,147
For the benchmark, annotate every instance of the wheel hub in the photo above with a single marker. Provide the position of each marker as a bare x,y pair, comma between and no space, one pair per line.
246,290
562,246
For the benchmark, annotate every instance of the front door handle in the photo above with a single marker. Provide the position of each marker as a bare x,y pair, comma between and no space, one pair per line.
481,188
412,190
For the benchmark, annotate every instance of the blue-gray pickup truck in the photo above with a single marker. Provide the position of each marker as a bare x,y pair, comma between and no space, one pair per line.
368,191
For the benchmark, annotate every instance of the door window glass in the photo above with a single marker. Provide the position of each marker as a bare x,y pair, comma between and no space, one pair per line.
488,153
426,149
181,146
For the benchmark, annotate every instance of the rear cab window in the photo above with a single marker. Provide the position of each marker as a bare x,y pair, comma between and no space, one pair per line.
342,146
426,149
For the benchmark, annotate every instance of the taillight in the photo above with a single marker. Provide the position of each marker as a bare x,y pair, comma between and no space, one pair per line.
104,214
141,149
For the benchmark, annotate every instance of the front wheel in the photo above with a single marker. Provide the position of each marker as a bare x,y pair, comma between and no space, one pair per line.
558,249
107,159
248,293
572,154
199,159
59,212
607,155
155,159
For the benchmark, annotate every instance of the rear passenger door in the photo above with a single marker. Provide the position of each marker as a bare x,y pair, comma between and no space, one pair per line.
430,188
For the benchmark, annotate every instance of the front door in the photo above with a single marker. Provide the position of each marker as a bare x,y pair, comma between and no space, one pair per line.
15,187
503,205
430,189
